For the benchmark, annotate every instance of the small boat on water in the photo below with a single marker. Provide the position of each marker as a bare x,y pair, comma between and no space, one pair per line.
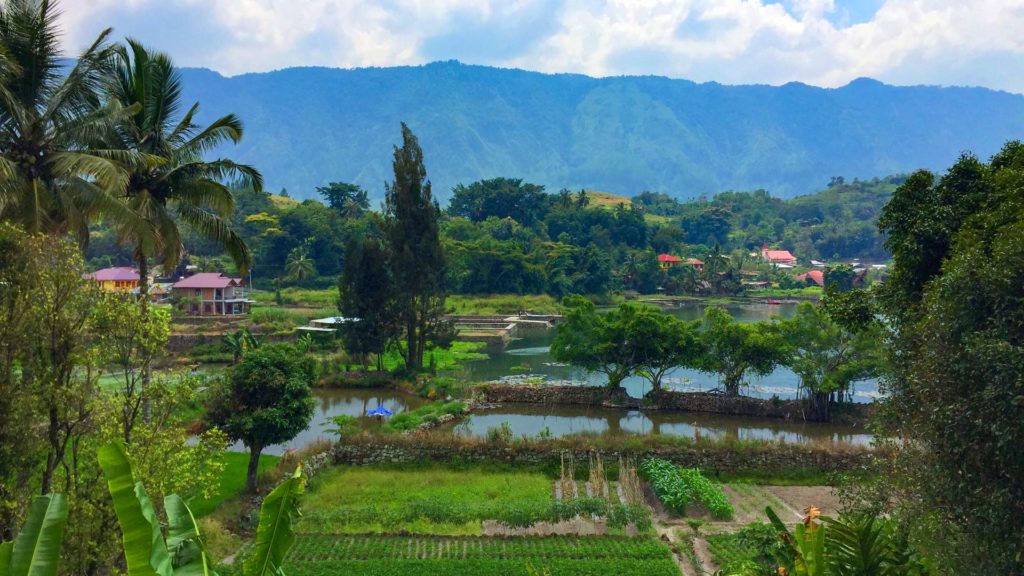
772,302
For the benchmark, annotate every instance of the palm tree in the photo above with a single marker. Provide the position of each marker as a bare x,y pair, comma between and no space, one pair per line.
299,266
55,175
180,187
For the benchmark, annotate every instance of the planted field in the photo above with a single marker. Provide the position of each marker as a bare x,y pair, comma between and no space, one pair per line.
326,555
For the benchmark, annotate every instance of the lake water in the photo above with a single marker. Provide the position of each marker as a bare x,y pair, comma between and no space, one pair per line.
527,357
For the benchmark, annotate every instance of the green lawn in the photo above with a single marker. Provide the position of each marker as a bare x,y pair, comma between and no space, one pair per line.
502,304
434,500
328,555
232,482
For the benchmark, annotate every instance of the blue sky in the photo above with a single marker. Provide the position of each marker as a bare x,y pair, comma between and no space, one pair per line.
819,42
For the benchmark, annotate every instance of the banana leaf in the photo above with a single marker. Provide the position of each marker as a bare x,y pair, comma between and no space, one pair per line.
36,550
184,541
274,534
144,548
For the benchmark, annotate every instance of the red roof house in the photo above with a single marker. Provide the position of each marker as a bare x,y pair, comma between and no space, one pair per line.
777,256
813,277
666,261
211,294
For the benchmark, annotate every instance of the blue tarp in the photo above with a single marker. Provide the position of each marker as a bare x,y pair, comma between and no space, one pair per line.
379,411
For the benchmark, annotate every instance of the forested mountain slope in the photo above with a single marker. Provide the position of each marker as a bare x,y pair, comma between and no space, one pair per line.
308,126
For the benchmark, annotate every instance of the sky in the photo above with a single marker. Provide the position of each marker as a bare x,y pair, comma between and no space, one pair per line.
819,42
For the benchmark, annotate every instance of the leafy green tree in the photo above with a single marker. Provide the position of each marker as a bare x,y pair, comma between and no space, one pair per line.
660,343
367,298
827,357
734,349
130,339
170,184
502,198
418,262
349,200
840,276
953,303
597,342
265,400
54,176
239,343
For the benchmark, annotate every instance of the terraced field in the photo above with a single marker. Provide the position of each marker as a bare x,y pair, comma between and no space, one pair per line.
329,555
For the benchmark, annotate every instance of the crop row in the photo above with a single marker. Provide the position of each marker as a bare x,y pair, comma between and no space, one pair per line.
326,547
516,514
676,487
661,567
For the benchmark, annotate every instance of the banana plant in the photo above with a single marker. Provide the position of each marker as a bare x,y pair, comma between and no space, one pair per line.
182,552
36,550
274,535
804,553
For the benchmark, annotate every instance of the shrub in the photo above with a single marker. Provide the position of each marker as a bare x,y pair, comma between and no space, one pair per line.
500,433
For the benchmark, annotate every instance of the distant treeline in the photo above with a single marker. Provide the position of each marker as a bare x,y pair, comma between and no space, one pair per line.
508,236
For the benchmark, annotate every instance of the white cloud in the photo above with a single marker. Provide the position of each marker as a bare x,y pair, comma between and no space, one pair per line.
731,41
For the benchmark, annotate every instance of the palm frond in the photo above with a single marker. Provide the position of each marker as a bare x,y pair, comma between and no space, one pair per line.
215,228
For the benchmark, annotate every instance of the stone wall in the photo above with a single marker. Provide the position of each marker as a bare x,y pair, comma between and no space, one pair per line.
553,394
766,459
665,400
183,342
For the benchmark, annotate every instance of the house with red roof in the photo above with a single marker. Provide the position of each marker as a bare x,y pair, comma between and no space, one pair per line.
777,257
117,279
814,277
666,261
697,264
211,294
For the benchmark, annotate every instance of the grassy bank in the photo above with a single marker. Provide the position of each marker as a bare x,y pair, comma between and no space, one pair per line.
232,481
426,499
502,304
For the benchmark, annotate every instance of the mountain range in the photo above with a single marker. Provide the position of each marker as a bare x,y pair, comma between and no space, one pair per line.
306,127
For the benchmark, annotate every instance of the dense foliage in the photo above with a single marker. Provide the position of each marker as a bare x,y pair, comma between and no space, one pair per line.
956,396
265,400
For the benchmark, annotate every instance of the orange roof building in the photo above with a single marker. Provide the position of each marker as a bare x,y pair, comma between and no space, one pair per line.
777,256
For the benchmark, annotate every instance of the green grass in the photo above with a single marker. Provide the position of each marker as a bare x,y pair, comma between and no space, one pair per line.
376,499
502,304
328,555
440,359
232,481
808,292
430,413
304,297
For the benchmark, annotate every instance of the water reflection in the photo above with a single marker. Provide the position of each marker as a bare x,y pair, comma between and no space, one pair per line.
348,401
531,419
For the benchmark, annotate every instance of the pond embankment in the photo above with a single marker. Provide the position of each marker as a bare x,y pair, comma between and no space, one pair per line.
699,402
713,457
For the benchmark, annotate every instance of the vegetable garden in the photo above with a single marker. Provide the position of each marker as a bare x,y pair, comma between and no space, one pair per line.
326,555
677,487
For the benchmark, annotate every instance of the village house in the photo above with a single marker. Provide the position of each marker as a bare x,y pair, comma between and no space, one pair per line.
812,278
667,261
117,279
211,294
780,258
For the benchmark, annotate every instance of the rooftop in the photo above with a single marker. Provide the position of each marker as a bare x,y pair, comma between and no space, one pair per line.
119,273
207,280
668,258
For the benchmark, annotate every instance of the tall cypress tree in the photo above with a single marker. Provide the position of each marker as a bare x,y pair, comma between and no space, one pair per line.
417,259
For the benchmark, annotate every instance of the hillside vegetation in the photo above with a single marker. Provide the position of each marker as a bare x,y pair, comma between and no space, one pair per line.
309,126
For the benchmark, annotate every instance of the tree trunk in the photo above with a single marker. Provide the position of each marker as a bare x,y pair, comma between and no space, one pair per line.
732,384
254,467
819,406
144,309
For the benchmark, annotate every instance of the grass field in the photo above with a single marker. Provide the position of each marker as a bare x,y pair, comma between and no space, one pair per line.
328,555
502,304
232,481
365,500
